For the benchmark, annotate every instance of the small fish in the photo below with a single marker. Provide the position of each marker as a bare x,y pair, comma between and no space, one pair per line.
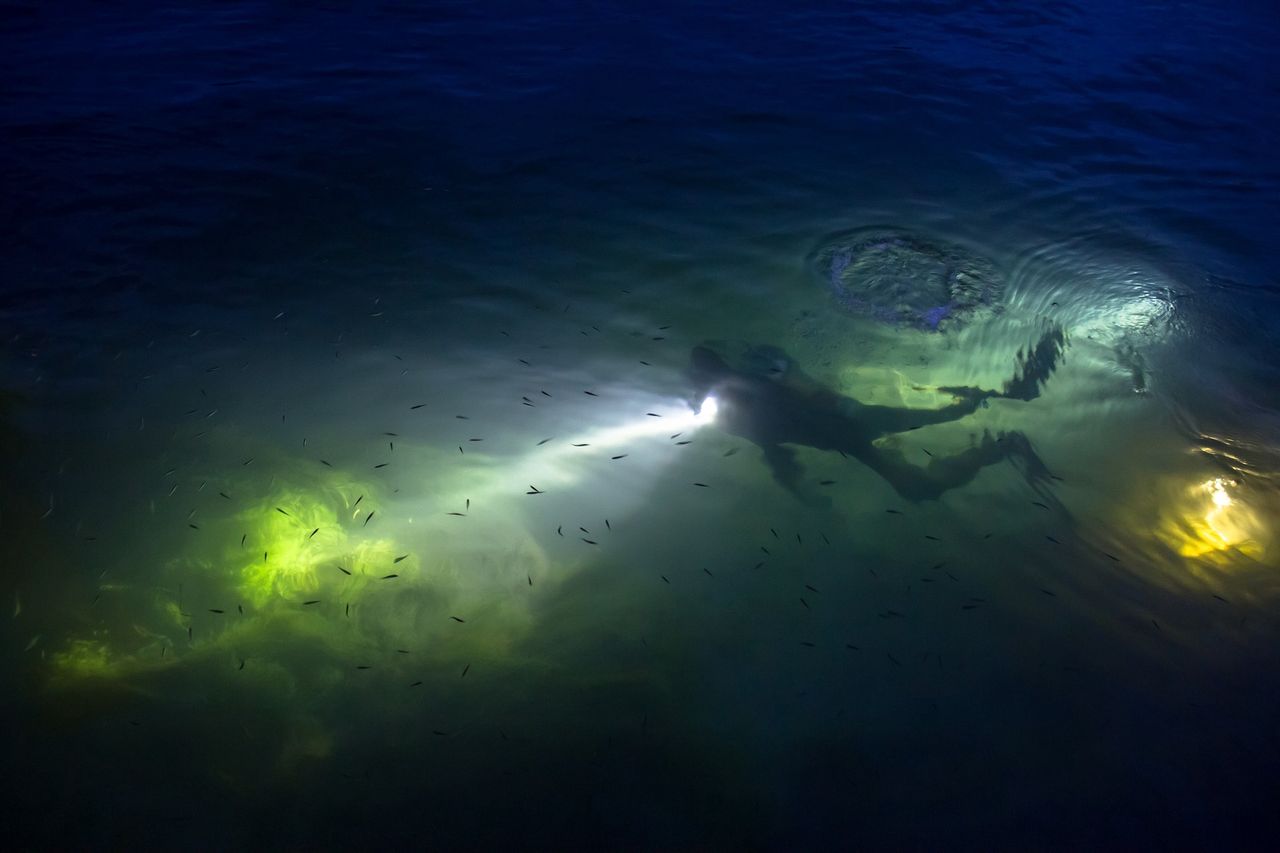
241,666
826,482
686,441
365,666
708,573
418,406
607,525
927,453
530,579
380,465
653,414
465,670
677,435
194,526
968,606
560,530
212,610
314,532
896,662
893,512
808,644
225,495
1112,556
824,537
702,485
645,363
1157,624
932,538
810,588
344,571
544,441
468,505
1048,592
852,646
240,609
459,514
582,445
619,456
589,541
366,519
188,633
664,579
1054,541
357,503
325,463
348,610
416,684
456,619
389,577
282,512
312,601
1037,503
591,393
805,603
398,559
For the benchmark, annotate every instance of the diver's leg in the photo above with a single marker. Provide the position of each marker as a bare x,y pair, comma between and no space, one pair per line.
943,473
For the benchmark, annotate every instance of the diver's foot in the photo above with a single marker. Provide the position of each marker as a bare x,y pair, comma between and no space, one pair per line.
1017,448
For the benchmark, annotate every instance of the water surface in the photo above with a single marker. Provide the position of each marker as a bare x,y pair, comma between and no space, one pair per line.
300,305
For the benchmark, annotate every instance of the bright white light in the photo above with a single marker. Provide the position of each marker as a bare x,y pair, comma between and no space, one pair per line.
707,413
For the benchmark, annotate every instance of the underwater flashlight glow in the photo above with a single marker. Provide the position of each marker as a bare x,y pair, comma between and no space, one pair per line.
707,412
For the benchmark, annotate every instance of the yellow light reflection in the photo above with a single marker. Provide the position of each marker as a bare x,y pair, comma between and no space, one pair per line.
1215,522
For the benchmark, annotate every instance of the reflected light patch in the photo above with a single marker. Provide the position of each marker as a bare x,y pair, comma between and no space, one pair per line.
1213,521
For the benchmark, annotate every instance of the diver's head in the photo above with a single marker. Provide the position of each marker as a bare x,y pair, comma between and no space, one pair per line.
705,363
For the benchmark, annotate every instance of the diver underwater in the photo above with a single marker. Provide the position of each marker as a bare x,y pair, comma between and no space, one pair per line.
770,402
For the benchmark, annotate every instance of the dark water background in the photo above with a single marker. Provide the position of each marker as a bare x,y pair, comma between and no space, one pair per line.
242,240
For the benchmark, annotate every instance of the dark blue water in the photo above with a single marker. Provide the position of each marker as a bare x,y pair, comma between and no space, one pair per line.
267,268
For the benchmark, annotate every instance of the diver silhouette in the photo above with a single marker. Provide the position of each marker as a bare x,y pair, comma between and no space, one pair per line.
772,403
